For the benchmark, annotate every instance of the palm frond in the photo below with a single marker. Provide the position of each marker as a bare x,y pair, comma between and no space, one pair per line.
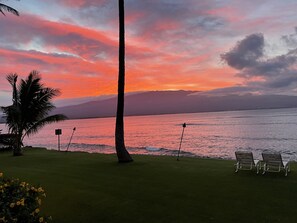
13,118
8,9
12,79
41,123
49,93
31,86
35,99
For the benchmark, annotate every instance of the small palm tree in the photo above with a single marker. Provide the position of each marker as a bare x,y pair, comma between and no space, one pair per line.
29,110
7,8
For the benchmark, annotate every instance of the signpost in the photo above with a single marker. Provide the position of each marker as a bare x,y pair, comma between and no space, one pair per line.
58,132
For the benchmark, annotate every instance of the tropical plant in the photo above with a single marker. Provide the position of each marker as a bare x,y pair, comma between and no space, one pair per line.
30,108
7,8
122,153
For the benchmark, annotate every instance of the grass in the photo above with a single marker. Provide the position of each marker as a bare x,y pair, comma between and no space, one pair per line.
90,188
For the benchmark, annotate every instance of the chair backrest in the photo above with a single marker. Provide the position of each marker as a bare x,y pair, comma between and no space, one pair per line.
272,158
244,157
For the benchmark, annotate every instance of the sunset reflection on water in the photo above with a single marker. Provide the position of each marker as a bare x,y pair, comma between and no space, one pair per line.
215,134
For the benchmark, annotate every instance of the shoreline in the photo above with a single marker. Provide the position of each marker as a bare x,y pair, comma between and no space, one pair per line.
132,154
174,157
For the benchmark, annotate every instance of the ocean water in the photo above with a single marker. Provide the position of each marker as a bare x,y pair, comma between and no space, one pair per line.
211,134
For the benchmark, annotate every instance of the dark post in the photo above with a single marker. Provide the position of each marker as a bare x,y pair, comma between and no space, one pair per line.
181,139
58,132
70,139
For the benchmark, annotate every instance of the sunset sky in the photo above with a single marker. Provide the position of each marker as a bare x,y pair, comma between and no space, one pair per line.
217,46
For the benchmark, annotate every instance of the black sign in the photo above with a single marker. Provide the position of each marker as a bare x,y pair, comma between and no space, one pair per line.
58,131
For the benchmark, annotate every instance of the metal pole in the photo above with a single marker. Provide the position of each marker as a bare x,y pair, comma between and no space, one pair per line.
181,139
59,142
70,139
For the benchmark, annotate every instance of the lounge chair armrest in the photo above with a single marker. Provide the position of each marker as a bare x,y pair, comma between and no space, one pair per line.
257,162
286,163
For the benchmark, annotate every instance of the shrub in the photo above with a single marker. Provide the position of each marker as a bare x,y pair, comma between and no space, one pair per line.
20,202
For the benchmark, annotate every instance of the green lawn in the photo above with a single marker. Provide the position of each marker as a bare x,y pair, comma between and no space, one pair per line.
89,188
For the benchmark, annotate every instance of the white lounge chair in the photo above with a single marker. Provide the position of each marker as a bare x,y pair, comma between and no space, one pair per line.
273,162
245,161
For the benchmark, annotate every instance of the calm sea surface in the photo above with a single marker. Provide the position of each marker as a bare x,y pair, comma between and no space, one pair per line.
213,134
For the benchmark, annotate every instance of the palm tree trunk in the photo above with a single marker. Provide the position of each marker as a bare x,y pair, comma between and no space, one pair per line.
122,153
17,151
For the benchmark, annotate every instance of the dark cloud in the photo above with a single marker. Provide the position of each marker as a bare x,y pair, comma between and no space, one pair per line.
153,18
192,21
238,90
282,65
246,52
291,39
281,82
206,22
279,72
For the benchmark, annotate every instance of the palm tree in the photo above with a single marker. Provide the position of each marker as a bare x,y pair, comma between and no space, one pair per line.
7,8
122,153
31,103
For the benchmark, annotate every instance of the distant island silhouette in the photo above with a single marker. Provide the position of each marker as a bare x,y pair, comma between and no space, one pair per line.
173,102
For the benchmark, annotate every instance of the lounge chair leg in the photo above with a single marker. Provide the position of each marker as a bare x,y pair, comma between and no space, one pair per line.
286,173
237,167
264,168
